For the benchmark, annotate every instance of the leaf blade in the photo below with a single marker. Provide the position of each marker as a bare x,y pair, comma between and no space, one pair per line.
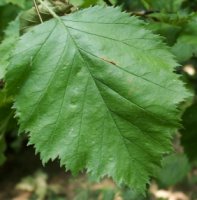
92,106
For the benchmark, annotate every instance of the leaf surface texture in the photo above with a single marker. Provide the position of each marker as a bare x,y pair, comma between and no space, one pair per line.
96,90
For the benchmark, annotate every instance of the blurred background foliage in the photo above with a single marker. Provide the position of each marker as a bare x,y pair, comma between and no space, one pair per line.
176,22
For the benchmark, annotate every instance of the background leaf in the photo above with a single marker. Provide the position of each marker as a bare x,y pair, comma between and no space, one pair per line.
186,45
6,122
168,25
6,46
20,3
167,175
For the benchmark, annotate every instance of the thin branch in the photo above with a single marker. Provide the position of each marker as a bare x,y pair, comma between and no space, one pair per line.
38,12
49,9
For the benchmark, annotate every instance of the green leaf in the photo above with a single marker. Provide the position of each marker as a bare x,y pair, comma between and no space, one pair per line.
87,3
167,175
6,122
2,2
168,25
11,36
20,3
168,31
96,90
186,45
168,6
165,5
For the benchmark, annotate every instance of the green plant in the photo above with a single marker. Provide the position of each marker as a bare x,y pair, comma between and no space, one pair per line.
95,87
